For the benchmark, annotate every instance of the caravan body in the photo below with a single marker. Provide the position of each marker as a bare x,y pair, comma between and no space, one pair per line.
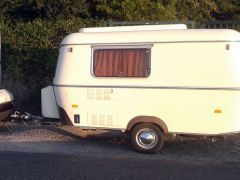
181,80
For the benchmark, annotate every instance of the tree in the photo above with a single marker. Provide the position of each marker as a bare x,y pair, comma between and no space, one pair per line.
30,10
132,10
227,10
195,10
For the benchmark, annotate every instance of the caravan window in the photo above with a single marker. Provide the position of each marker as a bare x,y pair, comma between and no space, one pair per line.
121,62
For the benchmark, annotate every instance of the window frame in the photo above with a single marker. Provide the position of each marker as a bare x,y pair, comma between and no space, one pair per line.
94,48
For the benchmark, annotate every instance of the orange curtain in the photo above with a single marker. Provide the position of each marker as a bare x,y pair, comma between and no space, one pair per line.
121,62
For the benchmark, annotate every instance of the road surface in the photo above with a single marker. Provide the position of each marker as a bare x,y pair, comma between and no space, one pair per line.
17,165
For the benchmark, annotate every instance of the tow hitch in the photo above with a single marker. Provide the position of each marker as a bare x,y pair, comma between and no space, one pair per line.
32,120
25,116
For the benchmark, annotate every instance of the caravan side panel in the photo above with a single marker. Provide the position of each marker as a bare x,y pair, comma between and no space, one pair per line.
183,111
193,88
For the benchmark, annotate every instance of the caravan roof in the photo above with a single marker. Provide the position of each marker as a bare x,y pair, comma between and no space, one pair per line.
150,36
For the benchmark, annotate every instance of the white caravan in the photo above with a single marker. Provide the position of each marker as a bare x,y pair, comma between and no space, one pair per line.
149,81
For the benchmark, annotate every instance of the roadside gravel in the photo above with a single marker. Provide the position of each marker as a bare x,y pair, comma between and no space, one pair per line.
36,138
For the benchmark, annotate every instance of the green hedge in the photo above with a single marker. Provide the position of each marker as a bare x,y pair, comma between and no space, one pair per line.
29,52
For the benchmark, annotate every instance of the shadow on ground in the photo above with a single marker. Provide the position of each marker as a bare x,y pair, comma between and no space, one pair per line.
72,140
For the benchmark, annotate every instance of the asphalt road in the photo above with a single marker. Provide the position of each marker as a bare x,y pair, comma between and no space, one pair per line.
52,152
17,165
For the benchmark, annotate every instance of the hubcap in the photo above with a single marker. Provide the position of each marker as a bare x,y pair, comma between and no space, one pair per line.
146,138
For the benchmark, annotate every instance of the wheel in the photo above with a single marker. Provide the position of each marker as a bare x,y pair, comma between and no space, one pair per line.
147,138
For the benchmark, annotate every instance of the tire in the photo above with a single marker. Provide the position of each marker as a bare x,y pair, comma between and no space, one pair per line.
147,138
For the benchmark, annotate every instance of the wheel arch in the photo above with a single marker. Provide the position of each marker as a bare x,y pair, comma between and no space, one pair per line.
147,119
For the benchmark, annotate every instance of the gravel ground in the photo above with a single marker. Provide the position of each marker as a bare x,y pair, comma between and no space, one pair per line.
36,138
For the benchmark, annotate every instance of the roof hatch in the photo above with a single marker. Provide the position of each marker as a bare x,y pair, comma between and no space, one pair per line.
134,28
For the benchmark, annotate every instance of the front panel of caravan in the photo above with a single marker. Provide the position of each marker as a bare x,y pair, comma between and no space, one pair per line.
192,88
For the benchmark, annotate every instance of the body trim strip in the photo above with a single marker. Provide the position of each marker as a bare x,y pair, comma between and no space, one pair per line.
150,42
205,134
151,87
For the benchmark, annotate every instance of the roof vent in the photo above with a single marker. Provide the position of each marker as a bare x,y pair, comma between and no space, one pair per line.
134,28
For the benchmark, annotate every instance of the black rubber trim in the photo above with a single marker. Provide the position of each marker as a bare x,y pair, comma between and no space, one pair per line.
65,118
6,106
6,115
